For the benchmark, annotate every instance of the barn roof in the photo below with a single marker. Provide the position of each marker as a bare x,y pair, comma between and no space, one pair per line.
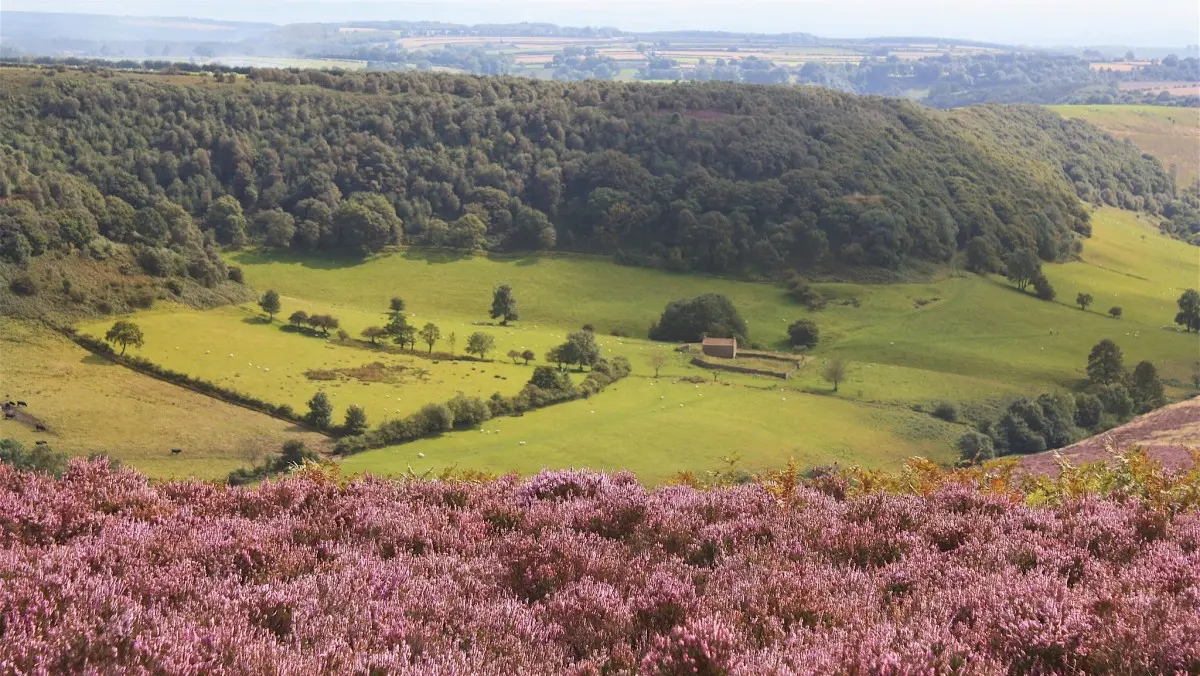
721,342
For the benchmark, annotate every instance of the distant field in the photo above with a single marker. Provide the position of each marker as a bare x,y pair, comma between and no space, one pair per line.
965,338
1171,87
1170,134
1119,67
90,404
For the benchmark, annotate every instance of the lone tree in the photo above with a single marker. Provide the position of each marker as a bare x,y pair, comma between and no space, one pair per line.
528,355
1022,267
374,333
514,355
430,334
1189,310
356,420
297,318
1083,300
835,372
504,305
657,360
320,411
452,341
1105,364
125,333
270,304
1114,312
804,333
480,343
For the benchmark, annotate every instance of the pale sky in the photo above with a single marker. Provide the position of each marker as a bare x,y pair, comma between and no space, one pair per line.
1152,23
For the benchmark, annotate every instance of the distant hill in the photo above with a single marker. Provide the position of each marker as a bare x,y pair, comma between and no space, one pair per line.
717,177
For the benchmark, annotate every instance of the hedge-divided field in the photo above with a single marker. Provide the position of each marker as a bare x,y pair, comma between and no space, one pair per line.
962,338
92,405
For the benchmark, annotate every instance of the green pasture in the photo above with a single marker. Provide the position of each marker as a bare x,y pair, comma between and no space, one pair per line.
963,338
659,428
92,405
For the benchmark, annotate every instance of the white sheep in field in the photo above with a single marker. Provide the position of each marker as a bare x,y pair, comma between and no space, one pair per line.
520,443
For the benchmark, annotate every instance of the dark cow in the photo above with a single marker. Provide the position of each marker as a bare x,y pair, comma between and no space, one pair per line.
176,451
40,427
9,415
40,443
21,403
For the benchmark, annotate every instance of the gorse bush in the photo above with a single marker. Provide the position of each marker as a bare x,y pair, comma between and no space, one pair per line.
574,572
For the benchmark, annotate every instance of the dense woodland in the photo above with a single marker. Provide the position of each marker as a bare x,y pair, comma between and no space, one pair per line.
711,177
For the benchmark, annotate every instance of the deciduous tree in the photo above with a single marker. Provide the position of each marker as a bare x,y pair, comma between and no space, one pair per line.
430,334
835,372
1189,310
480,343
320,411
125,333
504,305
1083,300
270,304
1105,363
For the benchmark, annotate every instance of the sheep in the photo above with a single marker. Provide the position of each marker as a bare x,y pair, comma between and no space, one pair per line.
520,443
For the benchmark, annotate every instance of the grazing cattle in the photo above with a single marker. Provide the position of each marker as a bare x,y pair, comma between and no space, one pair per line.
40,427
9,415
21,403
176,451
40,443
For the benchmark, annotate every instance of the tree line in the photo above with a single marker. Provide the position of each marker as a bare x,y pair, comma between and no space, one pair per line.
709,177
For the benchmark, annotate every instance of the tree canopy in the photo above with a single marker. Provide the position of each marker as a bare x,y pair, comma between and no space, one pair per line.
690,320
714,177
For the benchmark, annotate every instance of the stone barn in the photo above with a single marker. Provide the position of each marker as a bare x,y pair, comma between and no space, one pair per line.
725,348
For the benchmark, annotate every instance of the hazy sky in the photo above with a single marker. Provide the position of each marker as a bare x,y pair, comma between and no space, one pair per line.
1041,22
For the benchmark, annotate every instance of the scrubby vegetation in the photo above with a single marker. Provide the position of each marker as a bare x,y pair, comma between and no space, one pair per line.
572,572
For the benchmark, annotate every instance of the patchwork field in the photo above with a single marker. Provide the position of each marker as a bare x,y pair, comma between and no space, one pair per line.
89,404
1170,134
962,338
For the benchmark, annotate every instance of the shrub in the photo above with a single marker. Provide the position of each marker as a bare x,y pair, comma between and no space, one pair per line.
1042,288
975,447
236,275
946,411
690,320
23,285
804,333
1114,312
174,287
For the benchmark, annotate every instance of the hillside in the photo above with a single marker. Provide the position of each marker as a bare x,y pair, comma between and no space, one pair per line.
1170,134
715,177
1170,435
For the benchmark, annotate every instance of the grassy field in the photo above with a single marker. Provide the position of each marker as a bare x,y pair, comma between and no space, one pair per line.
90,405
960,338
1170,134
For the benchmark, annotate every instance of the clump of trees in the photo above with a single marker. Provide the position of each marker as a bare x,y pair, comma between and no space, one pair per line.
41,458
1023,268
1054,420
293,454
690,320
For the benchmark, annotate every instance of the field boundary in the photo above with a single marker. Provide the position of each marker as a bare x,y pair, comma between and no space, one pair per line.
203,387
785,375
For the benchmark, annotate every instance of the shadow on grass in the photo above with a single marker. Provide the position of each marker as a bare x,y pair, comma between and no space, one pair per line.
257,320
312,261
96,360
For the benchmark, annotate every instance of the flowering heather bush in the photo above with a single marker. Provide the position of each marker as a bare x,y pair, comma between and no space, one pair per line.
580,573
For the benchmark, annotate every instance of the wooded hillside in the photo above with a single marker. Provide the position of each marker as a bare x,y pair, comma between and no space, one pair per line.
713,177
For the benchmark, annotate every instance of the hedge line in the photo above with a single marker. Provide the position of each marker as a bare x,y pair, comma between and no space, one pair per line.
547,387
198,385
